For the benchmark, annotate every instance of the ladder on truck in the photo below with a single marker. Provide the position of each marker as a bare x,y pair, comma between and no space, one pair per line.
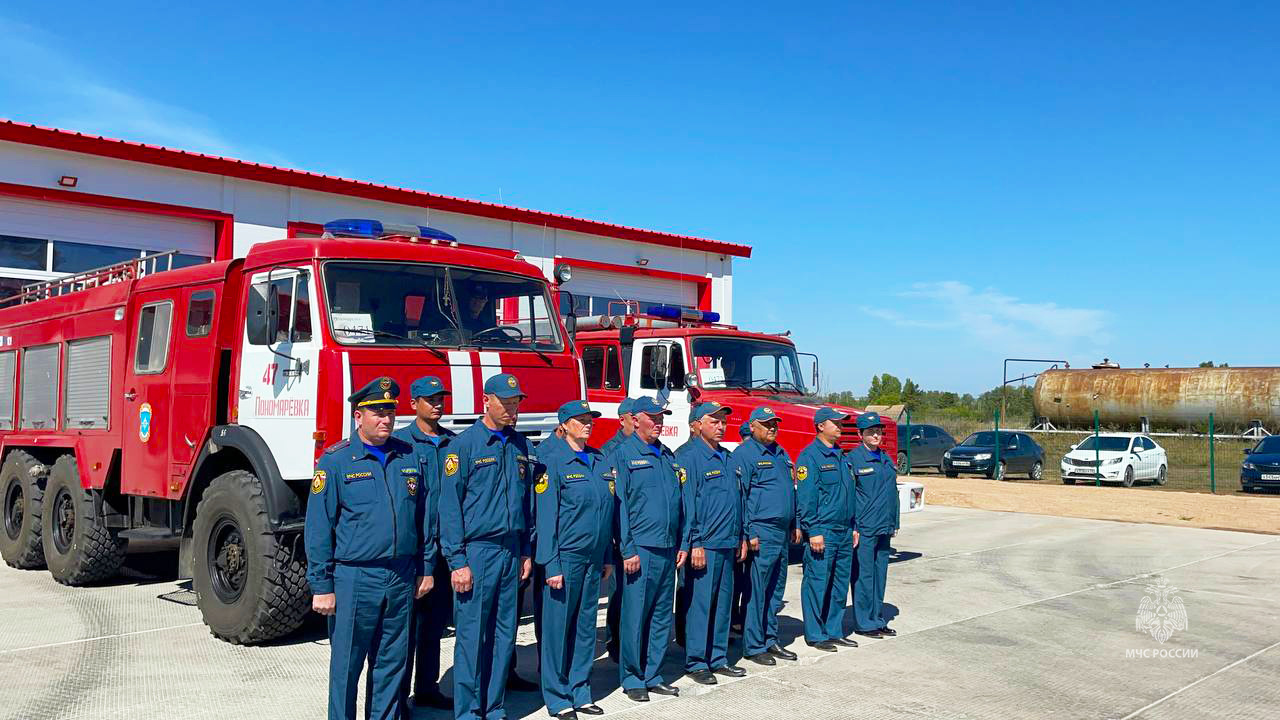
131,269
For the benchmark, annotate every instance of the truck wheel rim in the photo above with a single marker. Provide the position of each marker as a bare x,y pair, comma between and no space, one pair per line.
15,508
64,521
228,564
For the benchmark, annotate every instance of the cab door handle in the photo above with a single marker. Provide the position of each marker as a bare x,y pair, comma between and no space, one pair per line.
131,396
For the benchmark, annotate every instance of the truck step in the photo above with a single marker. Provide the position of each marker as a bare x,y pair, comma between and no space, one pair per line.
150,534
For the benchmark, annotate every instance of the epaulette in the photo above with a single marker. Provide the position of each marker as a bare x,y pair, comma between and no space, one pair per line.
337,446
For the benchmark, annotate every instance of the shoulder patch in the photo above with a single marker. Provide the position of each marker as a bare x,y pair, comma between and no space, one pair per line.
451,464
682,474
543,483
317,482
802,473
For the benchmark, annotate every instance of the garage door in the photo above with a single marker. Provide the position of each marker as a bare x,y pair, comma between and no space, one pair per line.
45,240
593,290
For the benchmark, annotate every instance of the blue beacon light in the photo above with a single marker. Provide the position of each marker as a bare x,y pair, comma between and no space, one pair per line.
360,227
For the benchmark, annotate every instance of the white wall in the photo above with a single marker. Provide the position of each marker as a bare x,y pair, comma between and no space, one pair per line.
262,212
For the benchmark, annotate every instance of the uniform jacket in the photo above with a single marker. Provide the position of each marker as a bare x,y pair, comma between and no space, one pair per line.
824,491
876,491
716,522
432,457
362,511
484,492
574,506
651,506
765,472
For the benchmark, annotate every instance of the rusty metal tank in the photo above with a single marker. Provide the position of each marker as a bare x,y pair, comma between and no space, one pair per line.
1167,397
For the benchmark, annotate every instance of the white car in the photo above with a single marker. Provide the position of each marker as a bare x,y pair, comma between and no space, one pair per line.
1117,457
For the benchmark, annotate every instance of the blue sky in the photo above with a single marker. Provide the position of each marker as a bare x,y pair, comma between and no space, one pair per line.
929,187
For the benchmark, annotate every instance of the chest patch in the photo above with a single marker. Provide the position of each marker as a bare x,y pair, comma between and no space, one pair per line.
480,462
358,475
764,463
712,473
574,476
829,466
866,471
640,463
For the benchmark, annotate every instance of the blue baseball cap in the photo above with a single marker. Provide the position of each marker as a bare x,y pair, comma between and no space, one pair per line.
624,407
645,405
426,386
869,420
711,407
764,413
574,408
504,385
825,413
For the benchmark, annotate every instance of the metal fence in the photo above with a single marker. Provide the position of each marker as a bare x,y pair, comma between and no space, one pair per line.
1204,460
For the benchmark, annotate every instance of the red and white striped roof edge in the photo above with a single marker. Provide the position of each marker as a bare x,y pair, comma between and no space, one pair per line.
72,141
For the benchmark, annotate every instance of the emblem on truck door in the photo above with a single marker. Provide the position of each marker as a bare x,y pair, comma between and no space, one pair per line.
144,422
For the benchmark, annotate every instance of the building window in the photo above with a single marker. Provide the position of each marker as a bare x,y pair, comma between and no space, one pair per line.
70,257
10,286
23,253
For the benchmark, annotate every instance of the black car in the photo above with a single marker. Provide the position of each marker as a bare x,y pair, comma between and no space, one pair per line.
1019,453
1261,466
928,443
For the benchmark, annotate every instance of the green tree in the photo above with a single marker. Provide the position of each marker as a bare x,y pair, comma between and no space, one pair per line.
885,390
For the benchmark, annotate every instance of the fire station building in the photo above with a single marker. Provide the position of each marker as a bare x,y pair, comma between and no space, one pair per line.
70,202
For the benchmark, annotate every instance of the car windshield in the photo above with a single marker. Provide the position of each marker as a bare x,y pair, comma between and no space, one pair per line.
987,439
414,304
746,363
1269,445
1105,444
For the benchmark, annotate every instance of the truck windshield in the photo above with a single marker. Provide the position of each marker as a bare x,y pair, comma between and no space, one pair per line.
414,304
747,363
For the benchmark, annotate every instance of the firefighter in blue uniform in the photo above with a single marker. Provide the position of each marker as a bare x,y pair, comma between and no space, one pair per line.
626,426
573,498
824,508
484,530
876,490
769,518
741,576
370,551
433,612
684,589
653,541
716,543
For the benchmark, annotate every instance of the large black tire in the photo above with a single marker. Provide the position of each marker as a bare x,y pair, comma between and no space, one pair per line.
77,549
251,587
22,495
1128,476
903,467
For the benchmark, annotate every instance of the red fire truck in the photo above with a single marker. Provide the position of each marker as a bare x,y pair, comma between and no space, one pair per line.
684,356
190,404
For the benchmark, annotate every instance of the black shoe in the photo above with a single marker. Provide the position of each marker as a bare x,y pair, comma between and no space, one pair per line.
886,630
591,709
779,652
703,677
730,671
519,684
869,633
638,694
612,649
567,715
433,700
665,689
448,632
823,646
763,658
846,642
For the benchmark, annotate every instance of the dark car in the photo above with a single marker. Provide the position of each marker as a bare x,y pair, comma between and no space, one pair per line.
1261,466
1019,453
928,443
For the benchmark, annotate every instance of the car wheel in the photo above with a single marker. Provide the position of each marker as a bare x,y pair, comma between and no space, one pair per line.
1161,476
1128,476
999,473
950,474
1037,472
903,467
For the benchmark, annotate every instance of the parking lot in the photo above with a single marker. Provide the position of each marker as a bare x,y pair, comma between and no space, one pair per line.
1000,615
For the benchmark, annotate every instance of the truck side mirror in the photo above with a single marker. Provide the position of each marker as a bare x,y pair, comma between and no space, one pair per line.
272,316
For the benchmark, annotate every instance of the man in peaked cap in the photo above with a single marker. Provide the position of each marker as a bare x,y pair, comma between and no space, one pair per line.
370,551
825,512
716,543
485,538
876,519
769,517
653,540
433,612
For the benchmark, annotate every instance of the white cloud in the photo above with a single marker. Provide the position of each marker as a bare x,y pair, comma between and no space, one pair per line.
996,318
70,96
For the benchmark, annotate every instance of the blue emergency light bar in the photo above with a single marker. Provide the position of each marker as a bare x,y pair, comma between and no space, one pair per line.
671,312
357,227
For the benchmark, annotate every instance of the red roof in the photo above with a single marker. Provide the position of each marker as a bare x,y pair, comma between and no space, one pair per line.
199,162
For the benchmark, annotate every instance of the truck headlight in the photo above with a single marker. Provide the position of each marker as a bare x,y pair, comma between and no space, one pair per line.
982,456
